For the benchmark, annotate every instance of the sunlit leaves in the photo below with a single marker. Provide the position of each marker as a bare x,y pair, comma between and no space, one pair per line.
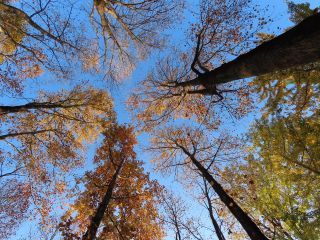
294,90
47,138
132,212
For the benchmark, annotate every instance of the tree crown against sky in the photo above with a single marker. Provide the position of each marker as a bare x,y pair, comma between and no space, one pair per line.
258,186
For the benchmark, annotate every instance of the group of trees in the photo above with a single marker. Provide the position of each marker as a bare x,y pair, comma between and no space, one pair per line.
263,185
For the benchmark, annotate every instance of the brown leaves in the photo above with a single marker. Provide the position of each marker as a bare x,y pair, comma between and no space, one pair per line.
14,203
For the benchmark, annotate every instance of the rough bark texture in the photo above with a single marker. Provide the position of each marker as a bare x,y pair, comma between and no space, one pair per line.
298,46
97,218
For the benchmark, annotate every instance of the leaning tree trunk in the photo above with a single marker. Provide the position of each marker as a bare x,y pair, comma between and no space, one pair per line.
97,218
246,222
298,46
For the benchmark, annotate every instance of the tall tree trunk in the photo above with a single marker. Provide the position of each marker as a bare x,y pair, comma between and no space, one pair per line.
298,46
35,105
246,222
11,135
97,218
210,209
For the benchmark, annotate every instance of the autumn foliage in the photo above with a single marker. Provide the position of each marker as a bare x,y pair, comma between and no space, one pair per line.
230,106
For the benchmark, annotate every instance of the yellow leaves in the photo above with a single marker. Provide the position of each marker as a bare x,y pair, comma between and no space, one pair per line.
295,90
11,33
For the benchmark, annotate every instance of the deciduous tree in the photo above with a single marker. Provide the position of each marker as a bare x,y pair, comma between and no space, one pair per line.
43,140
190,85
199,154
119,198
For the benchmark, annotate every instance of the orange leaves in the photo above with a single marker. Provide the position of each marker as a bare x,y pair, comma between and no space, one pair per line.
132,211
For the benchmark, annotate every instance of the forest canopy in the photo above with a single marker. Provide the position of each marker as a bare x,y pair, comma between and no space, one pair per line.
159,119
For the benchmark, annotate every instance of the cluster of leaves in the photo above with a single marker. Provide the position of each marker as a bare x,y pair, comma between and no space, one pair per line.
43,140
132,212
294,90
279,179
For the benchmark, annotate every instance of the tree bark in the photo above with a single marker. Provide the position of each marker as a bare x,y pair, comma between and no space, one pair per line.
10,135
35,105
97,218
210,209
298,46
246,222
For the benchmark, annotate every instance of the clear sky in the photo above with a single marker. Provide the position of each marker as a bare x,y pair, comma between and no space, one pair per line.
278,12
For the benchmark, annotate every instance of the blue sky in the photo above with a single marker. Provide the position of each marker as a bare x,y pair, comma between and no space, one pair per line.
278,12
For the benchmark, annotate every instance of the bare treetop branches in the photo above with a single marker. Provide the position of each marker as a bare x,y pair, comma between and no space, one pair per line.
130,29
37,37
56,36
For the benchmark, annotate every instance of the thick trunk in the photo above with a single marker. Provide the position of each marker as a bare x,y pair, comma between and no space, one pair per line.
97,218
246,222
210,209
298,46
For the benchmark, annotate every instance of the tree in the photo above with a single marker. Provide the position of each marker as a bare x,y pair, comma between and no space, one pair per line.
43,140
46,36
200,154
119,199
223,30
130,29
277,181
42,37
193,85
13,23
276,55
210,208
176,218
281,171
300,11
14,203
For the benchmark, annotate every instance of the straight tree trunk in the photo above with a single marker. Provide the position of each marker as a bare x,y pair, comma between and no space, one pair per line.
210,209
246,222
97,218
298,46
35,105
11,135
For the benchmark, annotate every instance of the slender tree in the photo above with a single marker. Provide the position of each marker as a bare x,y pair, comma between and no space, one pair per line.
210,209
119,198
171,143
